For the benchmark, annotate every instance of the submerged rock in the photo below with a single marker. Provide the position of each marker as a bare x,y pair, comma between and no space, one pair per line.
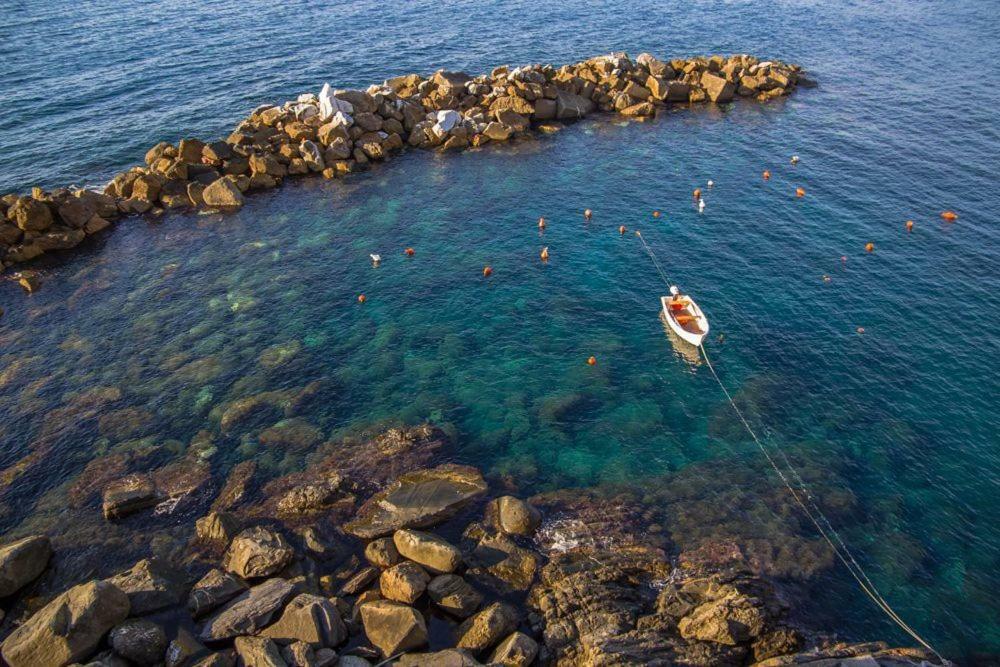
258,552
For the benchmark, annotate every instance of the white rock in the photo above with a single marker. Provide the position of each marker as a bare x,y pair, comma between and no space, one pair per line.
330,105
307,98
341,118
446,120
304,111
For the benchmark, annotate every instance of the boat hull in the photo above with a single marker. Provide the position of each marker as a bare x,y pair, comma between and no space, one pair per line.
686,333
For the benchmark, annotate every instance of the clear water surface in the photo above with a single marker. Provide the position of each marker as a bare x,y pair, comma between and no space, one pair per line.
895,427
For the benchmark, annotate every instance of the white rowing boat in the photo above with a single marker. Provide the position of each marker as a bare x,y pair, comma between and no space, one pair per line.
684,317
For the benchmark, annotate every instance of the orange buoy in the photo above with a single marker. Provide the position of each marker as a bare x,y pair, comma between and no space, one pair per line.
800,192
409,252
861,330
362,298
950,216
767,174
487,271
588,214
541,223
869,247
545,254
656,214
697,193
909,225
592,361
621,230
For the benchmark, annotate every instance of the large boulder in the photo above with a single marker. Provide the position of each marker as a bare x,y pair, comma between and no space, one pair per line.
730,620
212,591
404,582
22,561
454,595
433,552
518,650
569,105
311,619
718,89
250,612
68,628
258,552
417,500
488,627
31,215
515,516
392,627
150,585
140,641
223,194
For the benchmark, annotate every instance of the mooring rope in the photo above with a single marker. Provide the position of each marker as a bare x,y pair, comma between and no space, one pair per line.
816,515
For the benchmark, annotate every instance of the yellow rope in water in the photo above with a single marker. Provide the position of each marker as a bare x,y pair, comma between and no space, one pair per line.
843,553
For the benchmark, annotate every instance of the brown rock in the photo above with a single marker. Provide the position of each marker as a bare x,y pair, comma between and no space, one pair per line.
488,627
382,552
129,495
515,516
404,582
454,595
258,552
250,612
258,652
718,89
212,591
311,619
31,215
392,627
518,650
150,585
216,528
22,561
431,551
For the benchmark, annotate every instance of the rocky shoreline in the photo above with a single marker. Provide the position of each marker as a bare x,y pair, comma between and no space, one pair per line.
378,553
339,132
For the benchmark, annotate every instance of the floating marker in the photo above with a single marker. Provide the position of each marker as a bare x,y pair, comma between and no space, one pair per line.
621,230
592,361
541,223
950,216
909,225
545,254
861,330
800,192
656,214
362,298
409,252
487,271
767,175
843,258
697,193
795,159
588,214
869,247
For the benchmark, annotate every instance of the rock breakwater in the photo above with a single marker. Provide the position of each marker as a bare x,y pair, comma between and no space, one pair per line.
338,132
428,566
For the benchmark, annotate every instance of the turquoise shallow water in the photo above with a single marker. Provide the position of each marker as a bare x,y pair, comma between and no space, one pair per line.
896,427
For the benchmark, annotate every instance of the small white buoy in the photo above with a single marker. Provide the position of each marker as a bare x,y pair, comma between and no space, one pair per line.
701,205
376,259
795,159
711,183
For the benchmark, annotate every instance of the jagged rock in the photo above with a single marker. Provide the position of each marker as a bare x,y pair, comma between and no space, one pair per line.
212,591
451,80
129,495
873,654
729,621
250,612
454,595
513,103
404,582
392,627
223,193
518,650
306,498
150,586
258,652
446,120
498,131
236,486
258,552
570,105
190,150
142,642
359,581
717,88
216,528
68,628
311,619
301,654
382,552
30,215
417,500
22,561
515,516
487,628
450,657
431,551
499,557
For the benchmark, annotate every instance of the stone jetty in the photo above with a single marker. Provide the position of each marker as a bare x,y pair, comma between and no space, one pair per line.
338,132
348,564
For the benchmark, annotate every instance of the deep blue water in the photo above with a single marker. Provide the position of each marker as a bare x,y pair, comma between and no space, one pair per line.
895,427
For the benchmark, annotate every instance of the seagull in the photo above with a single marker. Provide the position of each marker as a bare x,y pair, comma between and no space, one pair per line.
701,205
711,183
376,259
